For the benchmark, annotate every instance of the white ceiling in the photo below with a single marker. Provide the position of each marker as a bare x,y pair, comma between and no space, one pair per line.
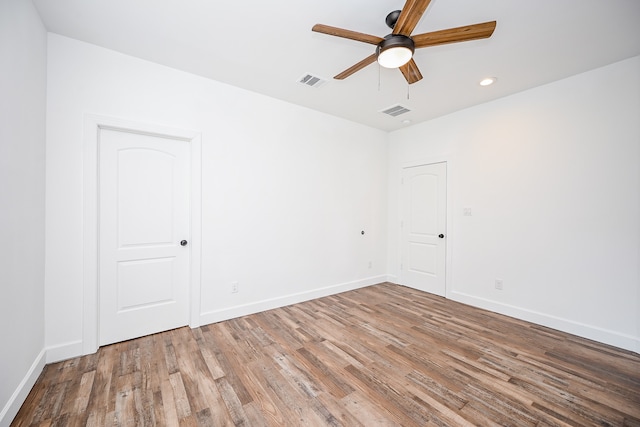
266,46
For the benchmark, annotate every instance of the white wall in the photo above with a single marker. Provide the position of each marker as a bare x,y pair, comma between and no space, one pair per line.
286,190
23,44
553,179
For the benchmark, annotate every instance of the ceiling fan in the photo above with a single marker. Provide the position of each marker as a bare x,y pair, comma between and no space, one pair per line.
396,50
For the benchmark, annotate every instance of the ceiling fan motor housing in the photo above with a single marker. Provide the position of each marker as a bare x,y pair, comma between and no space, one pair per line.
396,40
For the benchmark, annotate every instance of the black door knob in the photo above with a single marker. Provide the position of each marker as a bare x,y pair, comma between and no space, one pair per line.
183,243
441,236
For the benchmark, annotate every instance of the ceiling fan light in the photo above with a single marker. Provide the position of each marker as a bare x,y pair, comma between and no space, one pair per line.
395,51
394,57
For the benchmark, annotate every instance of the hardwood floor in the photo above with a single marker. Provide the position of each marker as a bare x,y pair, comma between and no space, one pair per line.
379,356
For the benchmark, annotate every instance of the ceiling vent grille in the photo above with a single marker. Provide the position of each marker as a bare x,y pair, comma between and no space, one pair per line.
311,80
396,110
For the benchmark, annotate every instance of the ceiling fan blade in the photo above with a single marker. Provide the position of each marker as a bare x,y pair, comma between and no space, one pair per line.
411,72
454,35
357,67
410,16
347,34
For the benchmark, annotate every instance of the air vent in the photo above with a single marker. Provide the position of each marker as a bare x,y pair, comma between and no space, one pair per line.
311,80
396,110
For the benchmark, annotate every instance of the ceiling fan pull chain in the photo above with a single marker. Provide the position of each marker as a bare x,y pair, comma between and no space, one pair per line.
379,78
408,88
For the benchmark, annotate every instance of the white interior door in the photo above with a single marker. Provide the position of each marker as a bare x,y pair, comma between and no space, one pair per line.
424,213
144,210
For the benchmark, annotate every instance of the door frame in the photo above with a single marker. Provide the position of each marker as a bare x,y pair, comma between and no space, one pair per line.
93,124
448,274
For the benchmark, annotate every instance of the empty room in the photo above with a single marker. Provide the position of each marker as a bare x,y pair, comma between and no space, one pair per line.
331,213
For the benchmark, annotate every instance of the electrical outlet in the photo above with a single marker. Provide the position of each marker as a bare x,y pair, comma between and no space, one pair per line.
466,211
234,288
370,264
499,284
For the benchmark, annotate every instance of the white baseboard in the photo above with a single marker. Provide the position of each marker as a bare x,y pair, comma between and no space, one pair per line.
601,335
392,278
258,306
47,355
20,394
64,351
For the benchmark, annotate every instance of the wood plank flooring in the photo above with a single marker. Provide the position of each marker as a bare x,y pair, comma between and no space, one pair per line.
384,355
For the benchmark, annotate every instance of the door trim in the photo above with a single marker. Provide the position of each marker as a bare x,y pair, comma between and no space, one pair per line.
448,277
92,126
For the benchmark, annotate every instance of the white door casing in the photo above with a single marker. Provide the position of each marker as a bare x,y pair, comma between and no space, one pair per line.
135,239
143,216
423,227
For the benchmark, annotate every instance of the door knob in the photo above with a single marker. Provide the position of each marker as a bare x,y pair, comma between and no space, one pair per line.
183,243
439,235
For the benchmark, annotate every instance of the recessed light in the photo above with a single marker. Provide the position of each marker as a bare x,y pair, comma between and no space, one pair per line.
406,122
488,81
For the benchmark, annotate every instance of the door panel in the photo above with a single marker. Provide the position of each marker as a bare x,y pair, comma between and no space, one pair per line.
144,210
424,220
422,258
133,276
424,196
145,188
